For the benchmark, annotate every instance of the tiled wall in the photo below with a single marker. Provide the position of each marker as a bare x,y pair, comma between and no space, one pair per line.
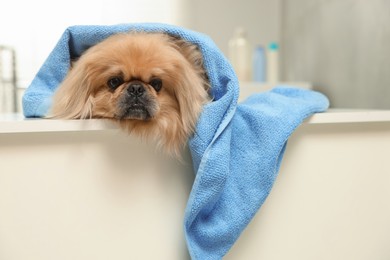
342,46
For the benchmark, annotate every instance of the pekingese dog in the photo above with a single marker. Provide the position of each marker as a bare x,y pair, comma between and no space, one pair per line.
152,84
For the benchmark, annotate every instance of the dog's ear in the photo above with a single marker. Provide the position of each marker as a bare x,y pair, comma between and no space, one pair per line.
73,97
195,89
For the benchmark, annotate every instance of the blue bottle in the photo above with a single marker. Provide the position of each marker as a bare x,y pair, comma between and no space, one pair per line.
259,64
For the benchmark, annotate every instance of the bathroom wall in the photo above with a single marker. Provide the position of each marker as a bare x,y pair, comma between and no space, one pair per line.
219,19
342,46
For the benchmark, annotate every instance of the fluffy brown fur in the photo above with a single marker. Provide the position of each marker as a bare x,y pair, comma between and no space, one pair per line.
152,84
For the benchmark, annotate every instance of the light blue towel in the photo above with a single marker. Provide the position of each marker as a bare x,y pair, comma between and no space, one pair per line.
237,148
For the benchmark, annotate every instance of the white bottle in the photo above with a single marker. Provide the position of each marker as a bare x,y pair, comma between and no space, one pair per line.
240,54
273,63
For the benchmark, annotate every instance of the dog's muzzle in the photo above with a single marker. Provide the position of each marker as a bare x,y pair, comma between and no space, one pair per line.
136,102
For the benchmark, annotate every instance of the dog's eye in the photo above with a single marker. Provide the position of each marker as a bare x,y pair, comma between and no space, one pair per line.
115,82
156,83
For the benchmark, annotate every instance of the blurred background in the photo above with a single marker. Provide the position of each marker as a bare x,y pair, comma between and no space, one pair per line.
340,47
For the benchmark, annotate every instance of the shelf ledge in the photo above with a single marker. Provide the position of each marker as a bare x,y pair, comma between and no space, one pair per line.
17,123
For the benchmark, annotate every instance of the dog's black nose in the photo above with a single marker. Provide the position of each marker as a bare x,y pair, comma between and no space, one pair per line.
136,89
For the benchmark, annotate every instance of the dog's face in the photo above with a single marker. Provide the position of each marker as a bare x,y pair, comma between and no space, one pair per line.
152,84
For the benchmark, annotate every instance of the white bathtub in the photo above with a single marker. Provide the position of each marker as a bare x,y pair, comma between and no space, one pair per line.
83,190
